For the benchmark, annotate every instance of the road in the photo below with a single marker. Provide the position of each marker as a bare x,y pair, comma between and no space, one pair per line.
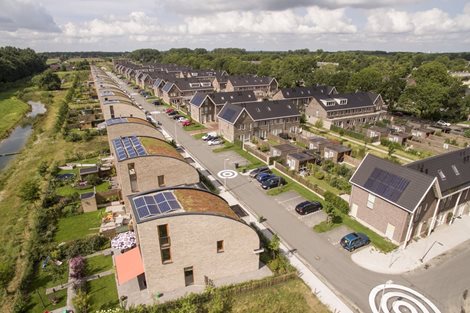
328,261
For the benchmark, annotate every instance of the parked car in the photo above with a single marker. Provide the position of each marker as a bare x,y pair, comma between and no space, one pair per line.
274,182
211,138
353,241
187,123
263,176
177,116
182,119
307,207
172,113
215,142
169,110
443,123
259,170
208,136
156,102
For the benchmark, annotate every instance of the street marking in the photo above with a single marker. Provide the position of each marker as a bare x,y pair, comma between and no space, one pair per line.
399,299
227,174
290,199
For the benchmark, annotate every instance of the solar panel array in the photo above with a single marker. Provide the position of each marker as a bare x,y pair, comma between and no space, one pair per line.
385,184
228,114
115,121
151,205
128,148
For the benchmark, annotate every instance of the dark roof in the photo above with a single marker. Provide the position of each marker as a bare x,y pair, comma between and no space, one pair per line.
454,166
250,80
337,147
353,100
373,171
300,156
220,98
198,98
89,170
230,112
188,84
87,195
285,147
382,130
265,110
318,140
306,92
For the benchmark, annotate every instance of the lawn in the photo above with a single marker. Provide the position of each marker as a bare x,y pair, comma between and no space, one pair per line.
103,293
98,264
68,190
325,226
78,226
322,184
42,280
12,111
290,297
377,241
293,185
199,136
193,126
254,161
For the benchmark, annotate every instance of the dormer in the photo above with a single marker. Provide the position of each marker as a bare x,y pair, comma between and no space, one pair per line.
194,85
341,101
328,102
205,84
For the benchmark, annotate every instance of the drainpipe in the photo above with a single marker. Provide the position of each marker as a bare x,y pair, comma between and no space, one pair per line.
455,208
433,221
410,228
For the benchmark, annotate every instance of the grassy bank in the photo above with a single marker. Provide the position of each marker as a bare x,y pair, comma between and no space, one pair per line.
12,110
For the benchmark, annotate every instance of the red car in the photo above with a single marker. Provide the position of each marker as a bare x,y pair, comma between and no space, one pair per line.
169,110
186,123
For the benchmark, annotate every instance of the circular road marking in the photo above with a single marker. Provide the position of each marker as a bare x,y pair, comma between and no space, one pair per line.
227,174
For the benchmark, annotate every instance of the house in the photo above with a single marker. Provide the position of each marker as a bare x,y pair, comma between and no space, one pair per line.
263,86
179,91
243,121
406,202
346,110
317,144
299,160
127,126
160,81
186,236
205,107
145,163
335,152
283,150
301,96
422,133
220,83
375,132
205,74
399,138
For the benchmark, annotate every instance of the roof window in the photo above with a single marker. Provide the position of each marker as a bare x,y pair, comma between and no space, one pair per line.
269,109
456,170
441,174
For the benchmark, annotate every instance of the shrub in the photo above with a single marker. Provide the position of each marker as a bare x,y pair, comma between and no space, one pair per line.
77,267
319,175
318,123
29,191
81,302
338,203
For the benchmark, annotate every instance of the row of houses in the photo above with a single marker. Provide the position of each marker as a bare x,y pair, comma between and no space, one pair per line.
185,234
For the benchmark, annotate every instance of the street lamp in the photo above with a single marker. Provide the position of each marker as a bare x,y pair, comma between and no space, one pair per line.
225,177
388,282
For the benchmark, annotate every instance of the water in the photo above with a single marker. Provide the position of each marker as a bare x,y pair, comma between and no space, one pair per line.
19,136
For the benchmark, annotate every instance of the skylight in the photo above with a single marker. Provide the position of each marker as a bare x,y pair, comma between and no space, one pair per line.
456,170
269,109
441,174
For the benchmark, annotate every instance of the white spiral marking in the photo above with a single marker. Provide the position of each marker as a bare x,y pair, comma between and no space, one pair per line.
227,174
401,299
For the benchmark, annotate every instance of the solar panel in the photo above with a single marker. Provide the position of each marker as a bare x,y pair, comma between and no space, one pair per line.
228,114
143,212
169,196
164,207
385,184
149,200
153,209
174,205
159,198
155,204
139,202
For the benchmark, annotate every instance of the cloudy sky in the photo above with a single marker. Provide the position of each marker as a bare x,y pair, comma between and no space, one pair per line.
125,25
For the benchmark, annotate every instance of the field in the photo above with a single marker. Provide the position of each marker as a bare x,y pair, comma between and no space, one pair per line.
12,111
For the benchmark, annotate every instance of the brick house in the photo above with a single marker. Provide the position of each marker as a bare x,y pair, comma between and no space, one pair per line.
220,83
406,202
205,107
346,110
335,152
299,160
187,236
179,91
283,150
263,86
302,96
257,119
375,132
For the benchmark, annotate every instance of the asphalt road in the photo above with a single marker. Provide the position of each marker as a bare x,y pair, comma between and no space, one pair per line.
331,262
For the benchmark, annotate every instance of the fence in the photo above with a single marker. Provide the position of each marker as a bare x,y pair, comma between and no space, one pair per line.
257,153
353,161
314,188
104,196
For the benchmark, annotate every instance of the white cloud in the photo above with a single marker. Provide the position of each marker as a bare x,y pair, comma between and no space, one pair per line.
429,22
25,14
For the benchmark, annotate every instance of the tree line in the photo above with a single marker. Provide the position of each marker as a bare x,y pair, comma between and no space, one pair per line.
16,63
417,83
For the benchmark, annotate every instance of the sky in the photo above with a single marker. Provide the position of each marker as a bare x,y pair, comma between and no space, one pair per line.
331,25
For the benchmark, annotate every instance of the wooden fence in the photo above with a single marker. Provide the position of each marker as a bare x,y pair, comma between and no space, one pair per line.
314,188
257,153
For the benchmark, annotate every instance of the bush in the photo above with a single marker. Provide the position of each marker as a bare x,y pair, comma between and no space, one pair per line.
29,191
81,302
319,175
338,203
77,267
83,246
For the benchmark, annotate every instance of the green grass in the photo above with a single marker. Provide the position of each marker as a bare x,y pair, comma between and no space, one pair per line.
12,111
293,185
292,296
193,126
253,161
325,226
103,293
199,136
78,226
377,241
98,264
67,190
41,281
322,184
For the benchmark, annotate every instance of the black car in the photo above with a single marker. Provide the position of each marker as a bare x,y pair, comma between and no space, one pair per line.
307,207
177,116
273,182
258,170
156,102
172,113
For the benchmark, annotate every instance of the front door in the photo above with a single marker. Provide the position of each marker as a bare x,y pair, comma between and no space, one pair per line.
354,210
188,276
389,232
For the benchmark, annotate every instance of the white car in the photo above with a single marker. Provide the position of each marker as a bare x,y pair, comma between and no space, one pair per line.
208,135
215,142
443,123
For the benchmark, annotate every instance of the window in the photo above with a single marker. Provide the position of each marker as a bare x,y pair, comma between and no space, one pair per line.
370,201
188,276
165,243
161,180
220,246
166,255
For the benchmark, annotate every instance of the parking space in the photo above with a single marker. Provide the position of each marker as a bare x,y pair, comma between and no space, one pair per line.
232,157
290,199
335,235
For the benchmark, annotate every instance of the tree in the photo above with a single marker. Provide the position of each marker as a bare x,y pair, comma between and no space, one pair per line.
48,81
274,245
81,302
391,150
367,79
220,302
29,191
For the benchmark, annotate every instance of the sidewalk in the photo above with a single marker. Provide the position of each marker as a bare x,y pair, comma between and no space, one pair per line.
416,254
